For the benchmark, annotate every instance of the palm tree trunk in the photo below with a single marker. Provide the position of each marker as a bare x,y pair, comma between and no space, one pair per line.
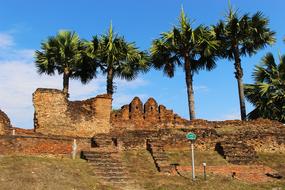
66,82
239,75
190,91
110,77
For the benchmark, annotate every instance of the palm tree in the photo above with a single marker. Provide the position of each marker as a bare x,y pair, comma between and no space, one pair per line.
267,93
184,46
241,36
66,54
117,58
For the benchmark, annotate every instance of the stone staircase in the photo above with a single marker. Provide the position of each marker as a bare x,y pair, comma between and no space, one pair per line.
159,156
106,160
236,152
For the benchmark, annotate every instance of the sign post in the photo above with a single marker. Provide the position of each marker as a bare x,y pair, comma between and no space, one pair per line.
204,166
192,137
74,149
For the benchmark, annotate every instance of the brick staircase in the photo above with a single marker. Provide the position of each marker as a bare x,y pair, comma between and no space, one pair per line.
159,156
236,152
105,158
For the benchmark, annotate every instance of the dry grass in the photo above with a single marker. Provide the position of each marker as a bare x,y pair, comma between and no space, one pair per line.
142,169
49,173
37,173
183,158
273,160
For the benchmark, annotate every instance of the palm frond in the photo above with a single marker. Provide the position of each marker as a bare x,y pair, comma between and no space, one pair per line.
267,93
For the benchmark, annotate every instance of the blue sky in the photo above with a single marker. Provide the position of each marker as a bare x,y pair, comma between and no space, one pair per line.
25,24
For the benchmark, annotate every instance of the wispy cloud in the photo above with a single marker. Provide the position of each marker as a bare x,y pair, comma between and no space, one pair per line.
230,116
19,79
6,40
200,88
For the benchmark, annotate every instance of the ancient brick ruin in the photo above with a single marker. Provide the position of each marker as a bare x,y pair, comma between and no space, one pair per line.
58,121
102,134
5,124
55,115
148,116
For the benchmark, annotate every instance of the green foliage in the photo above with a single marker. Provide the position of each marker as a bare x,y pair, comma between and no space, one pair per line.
241,36
183,46
267,93
65,53
171,49
118,58
245,33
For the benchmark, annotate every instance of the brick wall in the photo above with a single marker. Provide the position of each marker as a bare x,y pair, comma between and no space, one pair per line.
4,123
41,145
137,115
55,115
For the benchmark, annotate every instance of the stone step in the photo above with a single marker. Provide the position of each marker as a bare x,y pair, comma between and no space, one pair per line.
159,154
162,162
114,179
239,158
100,154
114,169
102,164
101,151
108,174
236,152
106,161
240,155
103,157
155,155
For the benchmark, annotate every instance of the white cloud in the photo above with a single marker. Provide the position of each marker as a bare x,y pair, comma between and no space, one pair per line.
130,84
200,88
19,79
6,40
230,116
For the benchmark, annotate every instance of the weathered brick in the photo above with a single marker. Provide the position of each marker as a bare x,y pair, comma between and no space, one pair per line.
55,115
147,116
4,123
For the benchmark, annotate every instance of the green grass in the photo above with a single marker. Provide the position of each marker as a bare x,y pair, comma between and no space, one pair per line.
183,158
50,173
273,160
144,172
36,173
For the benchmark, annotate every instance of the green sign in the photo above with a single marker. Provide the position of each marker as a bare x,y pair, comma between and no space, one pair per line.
191,136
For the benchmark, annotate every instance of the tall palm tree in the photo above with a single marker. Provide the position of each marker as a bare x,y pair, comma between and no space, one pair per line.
66,54
184,46
117,58
267,93
242,36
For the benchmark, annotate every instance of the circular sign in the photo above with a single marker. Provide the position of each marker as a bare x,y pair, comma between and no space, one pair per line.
191,136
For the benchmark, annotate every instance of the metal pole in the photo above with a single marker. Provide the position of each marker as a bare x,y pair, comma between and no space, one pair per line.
193,164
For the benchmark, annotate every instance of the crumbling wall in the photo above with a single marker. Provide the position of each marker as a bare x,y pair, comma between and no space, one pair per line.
41,145
4,123
137,115
55,115
262,134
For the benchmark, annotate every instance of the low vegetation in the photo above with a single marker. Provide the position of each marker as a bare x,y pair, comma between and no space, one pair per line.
36,172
